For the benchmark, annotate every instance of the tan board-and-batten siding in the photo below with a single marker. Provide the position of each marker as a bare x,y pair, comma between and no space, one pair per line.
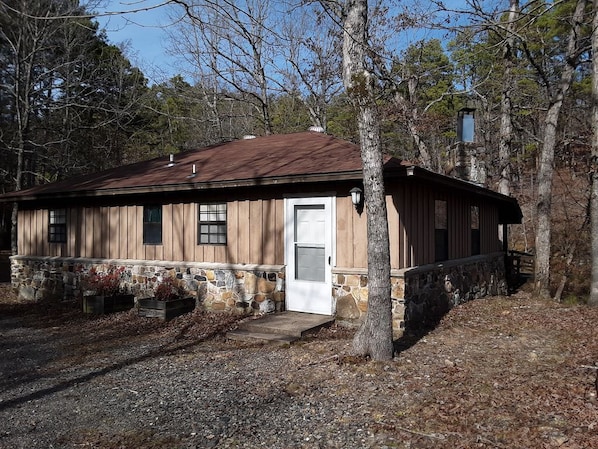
411,226
255,231
254,234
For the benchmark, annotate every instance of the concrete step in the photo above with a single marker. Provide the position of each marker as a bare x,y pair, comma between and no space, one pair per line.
248,336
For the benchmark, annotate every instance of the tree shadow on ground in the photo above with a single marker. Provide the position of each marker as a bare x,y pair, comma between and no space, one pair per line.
81,338
418,325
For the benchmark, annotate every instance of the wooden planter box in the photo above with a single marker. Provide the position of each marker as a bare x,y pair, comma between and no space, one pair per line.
100,304
165,310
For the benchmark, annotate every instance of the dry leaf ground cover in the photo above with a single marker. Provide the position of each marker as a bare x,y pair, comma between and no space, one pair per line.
501,372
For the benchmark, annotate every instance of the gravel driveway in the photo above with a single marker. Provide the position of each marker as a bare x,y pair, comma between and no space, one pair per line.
61,387
496,373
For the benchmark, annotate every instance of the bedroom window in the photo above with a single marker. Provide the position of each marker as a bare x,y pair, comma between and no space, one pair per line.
441,231
152,225
475,230
211,229
57,226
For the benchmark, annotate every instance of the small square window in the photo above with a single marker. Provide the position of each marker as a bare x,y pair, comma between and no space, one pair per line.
57,226
211,229
152,225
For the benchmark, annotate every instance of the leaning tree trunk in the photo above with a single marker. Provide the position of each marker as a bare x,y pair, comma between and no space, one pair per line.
545,172
594,172
374,338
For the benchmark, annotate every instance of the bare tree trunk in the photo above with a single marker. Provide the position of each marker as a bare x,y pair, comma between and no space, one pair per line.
558,296
544,204
594,172
506,123
411,114
374,338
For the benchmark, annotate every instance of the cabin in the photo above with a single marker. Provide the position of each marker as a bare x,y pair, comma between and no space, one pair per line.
265,224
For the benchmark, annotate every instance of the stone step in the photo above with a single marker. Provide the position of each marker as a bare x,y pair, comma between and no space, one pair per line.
248,336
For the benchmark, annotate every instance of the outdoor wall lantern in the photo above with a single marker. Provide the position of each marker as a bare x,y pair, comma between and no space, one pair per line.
357,199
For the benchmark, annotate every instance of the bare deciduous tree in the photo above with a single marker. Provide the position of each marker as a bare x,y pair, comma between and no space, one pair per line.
233,40
374,337
556,95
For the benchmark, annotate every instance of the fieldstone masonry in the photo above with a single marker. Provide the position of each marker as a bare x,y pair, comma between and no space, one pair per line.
219,287
422,295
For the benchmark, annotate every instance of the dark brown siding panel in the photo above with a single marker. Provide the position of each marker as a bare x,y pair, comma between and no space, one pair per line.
427,206
489,229
411,225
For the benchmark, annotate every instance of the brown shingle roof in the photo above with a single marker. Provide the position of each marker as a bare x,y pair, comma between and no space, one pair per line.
276,159
275,156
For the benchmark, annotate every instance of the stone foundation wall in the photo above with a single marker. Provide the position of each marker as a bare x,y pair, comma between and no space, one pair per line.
422,295
234,288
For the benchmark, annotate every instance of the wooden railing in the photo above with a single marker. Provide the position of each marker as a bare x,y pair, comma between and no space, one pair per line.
520,265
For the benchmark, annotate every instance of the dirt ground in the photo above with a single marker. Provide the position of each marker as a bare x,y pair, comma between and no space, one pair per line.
499,372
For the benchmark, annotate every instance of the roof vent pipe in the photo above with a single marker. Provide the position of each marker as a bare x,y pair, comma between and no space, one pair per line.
171,161
193,172
248,137
316,129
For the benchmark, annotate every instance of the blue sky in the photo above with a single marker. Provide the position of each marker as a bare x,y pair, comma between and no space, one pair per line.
144,34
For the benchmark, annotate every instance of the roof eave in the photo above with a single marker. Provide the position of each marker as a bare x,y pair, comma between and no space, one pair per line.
509,214
189,186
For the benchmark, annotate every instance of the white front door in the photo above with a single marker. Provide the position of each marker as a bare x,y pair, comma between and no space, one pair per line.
308,253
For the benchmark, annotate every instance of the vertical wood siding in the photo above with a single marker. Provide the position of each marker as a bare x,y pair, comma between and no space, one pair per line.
489,241
411,214
255,231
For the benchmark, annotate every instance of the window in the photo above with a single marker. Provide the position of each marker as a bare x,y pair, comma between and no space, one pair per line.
440,230
475,230
57,226
152,225
212,224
